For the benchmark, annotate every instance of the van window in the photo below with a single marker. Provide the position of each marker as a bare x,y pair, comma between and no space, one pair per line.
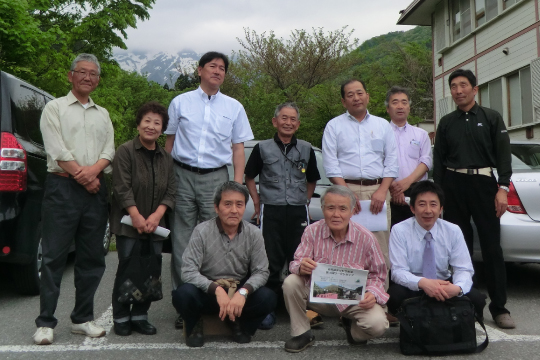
26,107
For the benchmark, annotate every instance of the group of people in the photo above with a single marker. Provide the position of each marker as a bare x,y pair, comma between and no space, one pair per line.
226,266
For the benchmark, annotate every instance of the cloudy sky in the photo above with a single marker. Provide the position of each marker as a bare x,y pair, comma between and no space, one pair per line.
215,24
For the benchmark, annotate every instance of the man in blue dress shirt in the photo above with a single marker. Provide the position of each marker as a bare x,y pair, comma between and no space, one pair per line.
422,250
206,132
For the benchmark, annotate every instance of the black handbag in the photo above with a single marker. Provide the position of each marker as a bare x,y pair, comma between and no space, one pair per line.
139,276
432,327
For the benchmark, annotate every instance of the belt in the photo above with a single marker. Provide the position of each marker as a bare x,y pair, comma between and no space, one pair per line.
481,171
364,181
67,175
196,169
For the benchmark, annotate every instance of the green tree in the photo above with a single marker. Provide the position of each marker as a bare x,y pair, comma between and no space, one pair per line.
122,94
40,38
301,62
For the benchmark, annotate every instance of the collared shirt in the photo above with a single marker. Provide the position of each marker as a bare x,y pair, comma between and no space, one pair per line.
470,140
359,250
414,148
72,132
407,250
255,163
205,128
212,255
355,149
142,182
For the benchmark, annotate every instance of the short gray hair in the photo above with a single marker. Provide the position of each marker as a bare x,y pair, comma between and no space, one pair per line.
230,186
291,105
86,57
397,90
341,191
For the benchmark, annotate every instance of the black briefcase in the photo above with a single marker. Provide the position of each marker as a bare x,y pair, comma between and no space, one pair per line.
139,276
432,327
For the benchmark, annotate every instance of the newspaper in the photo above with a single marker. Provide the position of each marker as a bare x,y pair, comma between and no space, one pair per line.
337,285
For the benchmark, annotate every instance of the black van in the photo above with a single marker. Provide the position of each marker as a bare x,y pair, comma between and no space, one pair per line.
23,169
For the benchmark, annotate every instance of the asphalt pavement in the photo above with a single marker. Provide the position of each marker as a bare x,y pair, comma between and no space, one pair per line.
17,315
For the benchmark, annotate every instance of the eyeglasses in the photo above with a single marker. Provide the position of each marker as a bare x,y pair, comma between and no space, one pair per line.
83,74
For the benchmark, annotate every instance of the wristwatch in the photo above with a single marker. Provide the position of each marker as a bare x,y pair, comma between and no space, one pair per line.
505,188
243,292
460,292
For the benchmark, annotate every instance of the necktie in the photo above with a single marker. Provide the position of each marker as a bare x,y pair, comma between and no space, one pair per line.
429,269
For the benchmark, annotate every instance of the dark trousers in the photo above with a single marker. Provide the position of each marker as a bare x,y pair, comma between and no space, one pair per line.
191,302
127,312
71,214
474,195
399,293
401,212
282,228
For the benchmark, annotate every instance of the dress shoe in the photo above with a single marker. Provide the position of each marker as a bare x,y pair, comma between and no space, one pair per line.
350,339
143,327
122,328
300,342
239,335
43,336
196,338
504,321
88,328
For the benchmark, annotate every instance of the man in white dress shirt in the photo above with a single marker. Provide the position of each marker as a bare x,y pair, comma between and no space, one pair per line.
206,132
359,151
423,248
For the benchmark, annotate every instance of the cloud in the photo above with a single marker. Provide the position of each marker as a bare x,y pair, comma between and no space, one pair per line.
214,25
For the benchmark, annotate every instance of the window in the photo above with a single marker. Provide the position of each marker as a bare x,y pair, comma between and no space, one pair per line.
485,10
491,95
26,107
518,97
461,18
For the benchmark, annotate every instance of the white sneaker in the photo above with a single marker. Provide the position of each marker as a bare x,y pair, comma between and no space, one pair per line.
88,328
43,336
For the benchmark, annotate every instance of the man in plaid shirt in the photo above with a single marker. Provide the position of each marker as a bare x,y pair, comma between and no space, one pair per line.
337,241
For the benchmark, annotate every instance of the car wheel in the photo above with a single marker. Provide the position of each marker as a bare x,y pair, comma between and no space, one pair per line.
107,239
27,277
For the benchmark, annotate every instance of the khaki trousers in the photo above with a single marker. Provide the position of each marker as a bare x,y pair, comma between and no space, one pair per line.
364,192
367,324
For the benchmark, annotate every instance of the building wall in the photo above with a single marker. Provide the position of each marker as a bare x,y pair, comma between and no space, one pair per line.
495,63
509,22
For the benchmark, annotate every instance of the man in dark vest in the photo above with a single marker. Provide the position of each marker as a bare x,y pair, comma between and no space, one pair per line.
287,170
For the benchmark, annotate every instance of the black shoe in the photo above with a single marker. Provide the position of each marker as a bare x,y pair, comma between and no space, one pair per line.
122,328
179,322
300,342
239,336
196,338
347,326
143,327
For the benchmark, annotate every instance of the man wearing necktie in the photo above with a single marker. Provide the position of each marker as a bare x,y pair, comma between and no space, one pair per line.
423,248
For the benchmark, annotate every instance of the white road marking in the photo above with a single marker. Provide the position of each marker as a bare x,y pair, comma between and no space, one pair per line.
106,321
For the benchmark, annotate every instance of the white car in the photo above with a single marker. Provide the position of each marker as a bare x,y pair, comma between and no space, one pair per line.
520,224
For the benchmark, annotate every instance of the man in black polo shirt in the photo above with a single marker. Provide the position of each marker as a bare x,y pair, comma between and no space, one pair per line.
470,142
287,170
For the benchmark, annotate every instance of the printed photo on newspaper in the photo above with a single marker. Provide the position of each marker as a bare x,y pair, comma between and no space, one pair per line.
337,285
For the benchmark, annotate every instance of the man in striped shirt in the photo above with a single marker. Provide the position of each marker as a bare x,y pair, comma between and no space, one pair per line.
337,241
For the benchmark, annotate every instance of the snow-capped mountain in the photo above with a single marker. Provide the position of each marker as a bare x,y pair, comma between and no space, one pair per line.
160,67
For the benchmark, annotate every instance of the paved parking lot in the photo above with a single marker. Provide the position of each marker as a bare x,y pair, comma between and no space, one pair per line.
17,314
